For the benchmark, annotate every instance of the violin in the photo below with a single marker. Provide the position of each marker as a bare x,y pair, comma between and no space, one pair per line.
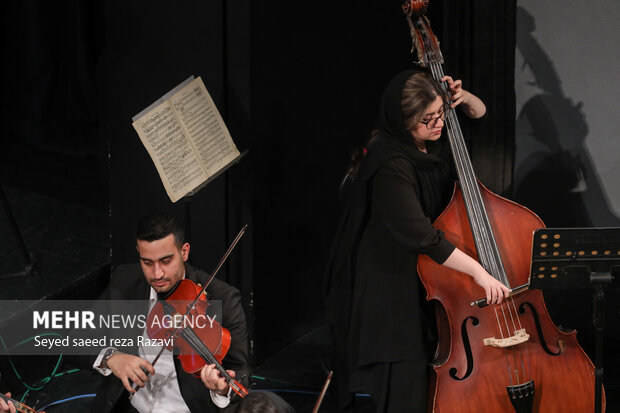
20,407
196,347
507,357
197,339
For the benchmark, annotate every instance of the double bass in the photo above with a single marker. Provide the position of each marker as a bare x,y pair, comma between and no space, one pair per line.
508,357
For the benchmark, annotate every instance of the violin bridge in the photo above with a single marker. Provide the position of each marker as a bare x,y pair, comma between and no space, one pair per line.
519,337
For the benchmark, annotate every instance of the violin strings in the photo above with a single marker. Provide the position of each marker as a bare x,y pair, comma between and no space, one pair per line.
190,336
17,404
198,345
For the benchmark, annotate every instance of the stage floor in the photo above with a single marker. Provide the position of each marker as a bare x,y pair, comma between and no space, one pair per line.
70,247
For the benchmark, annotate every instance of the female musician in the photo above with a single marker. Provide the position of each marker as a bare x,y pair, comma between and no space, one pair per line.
393,193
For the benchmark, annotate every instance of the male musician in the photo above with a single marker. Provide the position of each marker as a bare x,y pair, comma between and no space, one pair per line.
163,255
5,406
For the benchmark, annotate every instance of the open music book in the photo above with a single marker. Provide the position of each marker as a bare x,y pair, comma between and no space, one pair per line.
186,138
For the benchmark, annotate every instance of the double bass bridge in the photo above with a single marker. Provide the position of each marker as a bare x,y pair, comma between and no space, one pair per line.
520,336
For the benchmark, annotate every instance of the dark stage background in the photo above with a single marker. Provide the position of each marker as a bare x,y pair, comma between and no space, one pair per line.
296,83
298,89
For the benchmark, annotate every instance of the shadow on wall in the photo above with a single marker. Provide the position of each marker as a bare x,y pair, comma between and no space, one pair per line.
555,175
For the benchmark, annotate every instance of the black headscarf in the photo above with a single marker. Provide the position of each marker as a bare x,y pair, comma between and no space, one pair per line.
431,170
395,140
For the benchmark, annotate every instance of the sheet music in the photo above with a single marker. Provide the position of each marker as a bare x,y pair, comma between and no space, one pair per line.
204,124
186,137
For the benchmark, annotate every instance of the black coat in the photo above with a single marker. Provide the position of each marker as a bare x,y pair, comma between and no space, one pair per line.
386,297
372,286
374,301
128,283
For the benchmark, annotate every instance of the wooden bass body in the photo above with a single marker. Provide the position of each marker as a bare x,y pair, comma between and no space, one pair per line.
549,372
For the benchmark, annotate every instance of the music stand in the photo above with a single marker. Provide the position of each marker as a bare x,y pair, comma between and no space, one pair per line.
188,198
579,258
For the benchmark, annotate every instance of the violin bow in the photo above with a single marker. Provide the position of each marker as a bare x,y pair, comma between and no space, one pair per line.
217,268
323,391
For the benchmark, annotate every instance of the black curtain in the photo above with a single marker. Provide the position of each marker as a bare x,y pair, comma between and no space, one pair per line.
317,74
478,42
297,84
50,120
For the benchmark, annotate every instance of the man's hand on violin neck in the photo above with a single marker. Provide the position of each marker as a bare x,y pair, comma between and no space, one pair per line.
128,369
7,406
213,380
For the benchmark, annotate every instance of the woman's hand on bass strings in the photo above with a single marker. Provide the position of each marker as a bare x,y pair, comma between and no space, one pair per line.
472,105
495,290
458,95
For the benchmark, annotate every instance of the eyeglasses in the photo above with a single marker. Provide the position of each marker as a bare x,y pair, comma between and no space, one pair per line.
432,122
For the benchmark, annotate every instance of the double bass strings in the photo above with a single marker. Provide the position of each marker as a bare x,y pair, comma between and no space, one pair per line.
479,221
486,245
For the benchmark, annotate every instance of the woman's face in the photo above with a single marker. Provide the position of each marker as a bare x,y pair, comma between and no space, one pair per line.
429,128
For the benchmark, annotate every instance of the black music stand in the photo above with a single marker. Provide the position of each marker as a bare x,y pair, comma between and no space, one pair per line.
579,258
188,197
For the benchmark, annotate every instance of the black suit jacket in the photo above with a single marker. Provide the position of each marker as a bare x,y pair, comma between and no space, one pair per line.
128,283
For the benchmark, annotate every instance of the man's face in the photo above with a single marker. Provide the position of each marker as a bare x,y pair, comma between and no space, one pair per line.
163,263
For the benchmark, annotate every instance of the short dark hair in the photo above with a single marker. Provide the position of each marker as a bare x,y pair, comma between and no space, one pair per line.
158,225
257,402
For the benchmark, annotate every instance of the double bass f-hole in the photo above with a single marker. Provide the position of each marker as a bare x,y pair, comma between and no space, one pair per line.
493,358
